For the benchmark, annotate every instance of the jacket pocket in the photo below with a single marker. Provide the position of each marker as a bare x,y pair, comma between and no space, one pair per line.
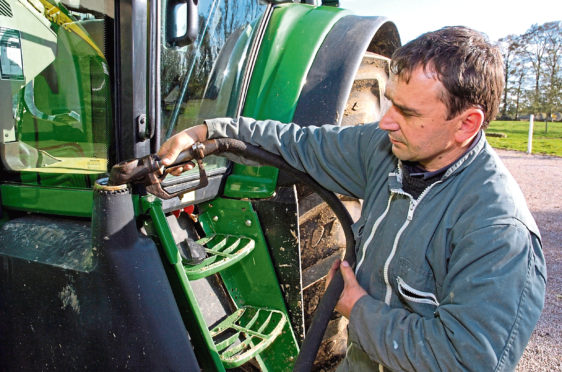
411,294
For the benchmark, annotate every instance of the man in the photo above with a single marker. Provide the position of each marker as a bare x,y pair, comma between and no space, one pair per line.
450,274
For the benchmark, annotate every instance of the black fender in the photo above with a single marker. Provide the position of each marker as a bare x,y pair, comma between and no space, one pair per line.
330,78
95,296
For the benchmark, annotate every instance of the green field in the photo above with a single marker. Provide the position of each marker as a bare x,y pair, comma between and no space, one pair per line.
549,142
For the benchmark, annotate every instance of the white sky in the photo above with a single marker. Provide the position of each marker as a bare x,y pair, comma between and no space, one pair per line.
496,18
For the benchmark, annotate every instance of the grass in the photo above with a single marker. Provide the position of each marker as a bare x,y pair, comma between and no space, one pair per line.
549,143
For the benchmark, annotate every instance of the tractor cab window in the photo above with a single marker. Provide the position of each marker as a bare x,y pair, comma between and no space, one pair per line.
56,121
203,80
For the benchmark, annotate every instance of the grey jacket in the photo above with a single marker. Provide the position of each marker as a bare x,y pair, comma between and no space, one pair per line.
456,279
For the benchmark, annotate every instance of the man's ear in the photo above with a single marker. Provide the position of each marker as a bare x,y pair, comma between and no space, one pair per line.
470,122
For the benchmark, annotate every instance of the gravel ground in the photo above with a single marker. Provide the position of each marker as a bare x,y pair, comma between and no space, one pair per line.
540,178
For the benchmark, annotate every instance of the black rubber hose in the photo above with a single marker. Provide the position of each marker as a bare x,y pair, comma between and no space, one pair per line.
328,302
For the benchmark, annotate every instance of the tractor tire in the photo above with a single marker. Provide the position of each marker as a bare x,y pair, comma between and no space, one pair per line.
321,236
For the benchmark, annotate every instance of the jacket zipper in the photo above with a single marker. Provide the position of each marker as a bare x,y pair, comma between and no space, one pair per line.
388,294
420,296
411,210
373,230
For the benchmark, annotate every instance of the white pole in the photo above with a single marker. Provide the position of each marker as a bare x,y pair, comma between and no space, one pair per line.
530,140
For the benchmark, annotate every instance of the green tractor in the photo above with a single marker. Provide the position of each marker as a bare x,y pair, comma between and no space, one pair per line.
219,268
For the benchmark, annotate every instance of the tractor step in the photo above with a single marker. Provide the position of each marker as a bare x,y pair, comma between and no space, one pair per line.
222,251
246,333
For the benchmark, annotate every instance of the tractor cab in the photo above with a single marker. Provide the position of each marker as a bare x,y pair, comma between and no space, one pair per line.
99,276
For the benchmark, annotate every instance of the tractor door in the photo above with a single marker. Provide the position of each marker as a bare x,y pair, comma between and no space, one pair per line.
66,304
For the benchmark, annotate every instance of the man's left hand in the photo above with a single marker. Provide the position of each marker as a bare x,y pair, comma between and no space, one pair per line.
352,291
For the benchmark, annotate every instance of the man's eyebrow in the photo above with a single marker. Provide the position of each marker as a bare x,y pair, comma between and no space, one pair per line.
403,109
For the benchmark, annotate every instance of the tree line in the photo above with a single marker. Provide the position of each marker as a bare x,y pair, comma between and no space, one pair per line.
533,75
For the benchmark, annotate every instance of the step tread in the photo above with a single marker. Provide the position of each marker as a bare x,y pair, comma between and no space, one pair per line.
223,251
246,333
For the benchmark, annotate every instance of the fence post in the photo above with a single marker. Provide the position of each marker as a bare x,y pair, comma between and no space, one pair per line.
530,140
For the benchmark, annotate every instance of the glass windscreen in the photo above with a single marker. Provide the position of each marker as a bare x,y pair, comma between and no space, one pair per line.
56,106
203,80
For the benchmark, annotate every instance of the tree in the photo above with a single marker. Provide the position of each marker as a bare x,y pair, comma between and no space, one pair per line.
516,90
510,47
533,68
534,51
552,32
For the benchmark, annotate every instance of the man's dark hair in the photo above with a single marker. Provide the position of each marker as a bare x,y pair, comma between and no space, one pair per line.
468,66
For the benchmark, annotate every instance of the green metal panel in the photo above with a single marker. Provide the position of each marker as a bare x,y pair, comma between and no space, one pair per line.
195,323
292,39
294,35
154,207
279,216
251,182
50,200
252,281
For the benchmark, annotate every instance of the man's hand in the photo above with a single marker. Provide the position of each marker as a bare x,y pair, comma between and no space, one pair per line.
170,149
352,291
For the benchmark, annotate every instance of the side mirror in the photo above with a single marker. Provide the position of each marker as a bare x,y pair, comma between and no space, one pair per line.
182,22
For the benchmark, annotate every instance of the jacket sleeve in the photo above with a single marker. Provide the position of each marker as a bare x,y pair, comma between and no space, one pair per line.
334,156
491,299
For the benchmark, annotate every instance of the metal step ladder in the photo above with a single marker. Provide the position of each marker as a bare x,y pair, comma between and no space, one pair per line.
249,330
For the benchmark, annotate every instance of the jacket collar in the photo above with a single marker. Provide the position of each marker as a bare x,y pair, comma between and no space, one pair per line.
468,157
395,177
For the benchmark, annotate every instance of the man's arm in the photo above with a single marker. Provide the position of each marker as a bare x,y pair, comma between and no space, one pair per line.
335,157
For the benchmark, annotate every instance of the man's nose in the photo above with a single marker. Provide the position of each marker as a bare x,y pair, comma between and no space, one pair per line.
388,121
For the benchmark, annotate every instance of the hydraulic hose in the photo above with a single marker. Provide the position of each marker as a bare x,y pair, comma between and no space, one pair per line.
327,303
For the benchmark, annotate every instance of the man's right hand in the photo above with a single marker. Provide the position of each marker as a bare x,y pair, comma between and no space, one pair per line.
352,291
170,149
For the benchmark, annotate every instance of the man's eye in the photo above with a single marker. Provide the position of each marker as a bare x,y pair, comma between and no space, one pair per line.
404,113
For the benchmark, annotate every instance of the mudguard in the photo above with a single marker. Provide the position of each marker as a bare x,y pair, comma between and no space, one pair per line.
330,78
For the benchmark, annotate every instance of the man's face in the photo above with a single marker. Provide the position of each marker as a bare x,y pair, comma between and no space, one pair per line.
417,122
